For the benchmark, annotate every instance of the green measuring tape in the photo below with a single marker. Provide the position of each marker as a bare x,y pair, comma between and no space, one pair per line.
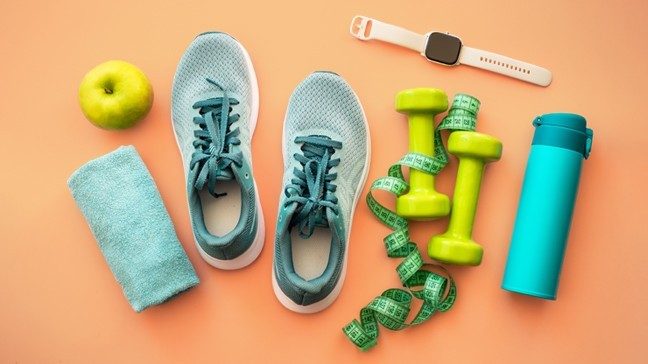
438,293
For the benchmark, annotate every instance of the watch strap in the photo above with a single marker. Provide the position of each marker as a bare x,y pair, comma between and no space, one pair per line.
505,65
365,28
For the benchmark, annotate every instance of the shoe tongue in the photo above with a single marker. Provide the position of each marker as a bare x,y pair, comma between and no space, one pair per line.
231,172
225,175
210,94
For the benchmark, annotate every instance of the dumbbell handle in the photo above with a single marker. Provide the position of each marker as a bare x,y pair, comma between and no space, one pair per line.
421,140
466,195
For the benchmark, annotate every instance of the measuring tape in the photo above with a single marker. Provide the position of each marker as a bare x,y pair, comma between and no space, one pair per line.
438,292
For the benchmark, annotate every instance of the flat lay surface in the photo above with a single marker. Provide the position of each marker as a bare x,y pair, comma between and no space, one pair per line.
59,302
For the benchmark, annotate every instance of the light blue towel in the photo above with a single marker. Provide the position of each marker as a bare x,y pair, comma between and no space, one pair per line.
125,212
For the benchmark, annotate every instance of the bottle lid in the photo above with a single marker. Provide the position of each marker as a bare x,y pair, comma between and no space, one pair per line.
564,130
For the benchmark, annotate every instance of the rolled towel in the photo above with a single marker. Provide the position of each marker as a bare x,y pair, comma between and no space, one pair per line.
124,210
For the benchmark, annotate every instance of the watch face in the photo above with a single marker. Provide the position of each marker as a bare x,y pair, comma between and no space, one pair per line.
443,48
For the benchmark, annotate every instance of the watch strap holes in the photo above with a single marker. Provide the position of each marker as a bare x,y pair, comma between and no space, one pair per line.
505,65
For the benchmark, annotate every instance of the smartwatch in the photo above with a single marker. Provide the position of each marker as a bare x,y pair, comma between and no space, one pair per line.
448,50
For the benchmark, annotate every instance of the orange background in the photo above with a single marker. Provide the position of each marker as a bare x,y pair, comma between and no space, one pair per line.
60,303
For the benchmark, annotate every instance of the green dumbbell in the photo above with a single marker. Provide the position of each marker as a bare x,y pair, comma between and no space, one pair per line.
474,150
422,201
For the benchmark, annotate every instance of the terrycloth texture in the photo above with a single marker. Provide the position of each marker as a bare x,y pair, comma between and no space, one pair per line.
122,205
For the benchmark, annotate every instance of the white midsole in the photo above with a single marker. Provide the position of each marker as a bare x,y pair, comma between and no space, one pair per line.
253,252
321,305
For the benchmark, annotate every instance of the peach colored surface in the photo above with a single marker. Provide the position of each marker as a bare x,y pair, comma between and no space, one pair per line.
60,303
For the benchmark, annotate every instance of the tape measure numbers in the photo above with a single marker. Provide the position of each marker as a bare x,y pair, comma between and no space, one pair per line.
438,292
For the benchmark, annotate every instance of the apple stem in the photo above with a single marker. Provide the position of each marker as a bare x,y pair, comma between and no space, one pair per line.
108,91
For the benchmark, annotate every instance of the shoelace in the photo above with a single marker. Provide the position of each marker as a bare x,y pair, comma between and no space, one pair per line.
312,187
213,156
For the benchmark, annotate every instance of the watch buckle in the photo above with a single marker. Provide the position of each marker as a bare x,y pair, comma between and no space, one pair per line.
361,27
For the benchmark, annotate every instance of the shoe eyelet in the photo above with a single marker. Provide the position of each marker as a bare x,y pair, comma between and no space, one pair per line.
247,176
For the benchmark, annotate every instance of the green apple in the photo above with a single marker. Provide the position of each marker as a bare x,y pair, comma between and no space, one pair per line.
115,95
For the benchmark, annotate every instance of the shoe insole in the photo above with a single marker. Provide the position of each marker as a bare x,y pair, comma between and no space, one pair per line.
310,256
221,214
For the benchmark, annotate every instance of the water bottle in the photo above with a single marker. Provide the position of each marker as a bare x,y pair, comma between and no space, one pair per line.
560,143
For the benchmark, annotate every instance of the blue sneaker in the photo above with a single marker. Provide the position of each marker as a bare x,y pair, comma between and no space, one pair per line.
326,160
215,104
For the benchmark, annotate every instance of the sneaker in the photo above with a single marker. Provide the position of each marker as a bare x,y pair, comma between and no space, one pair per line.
215,104
326,150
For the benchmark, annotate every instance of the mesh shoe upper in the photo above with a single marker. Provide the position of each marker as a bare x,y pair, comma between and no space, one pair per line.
323,105
215,68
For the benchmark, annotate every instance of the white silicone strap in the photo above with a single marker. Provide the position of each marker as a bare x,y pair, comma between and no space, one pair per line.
365,28
507,66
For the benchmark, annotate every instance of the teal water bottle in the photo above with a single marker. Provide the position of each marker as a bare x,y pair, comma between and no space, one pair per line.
560,143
